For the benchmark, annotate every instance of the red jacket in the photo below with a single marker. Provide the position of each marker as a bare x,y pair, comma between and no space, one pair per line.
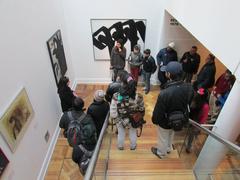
222,85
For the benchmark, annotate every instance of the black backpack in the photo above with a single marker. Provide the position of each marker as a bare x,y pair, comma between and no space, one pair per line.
74,132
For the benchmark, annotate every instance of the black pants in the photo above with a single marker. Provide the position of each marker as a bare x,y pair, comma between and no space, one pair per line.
162,78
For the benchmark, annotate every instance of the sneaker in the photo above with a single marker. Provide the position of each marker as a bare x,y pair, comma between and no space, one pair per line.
154,151
133,148
120,148
146,92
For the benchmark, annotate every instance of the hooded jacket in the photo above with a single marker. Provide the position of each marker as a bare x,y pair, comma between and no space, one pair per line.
135,60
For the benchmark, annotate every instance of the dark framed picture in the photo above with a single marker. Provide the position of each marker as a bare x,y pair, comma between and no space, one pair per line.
57,55
16,119
3,162
106,31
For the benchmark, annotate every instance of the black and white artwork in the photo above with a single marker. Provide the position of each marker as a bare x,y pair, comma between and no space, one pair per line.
57,55
106,31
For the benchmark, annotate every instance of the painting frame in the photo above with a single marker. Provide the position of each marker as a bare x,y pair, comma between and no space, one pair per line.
106,31
3,162
16,119
57,55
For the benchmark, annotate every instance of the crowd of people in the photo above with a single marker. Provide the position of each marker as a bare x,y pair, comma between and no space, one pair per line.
180,98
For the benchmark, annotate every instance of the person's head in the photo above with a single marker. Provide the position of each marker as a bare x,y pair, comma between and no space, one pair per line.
136,49
99,96
78,104
193,50
123,76
210,58
170,46
228,74
173,70
119,43
146,53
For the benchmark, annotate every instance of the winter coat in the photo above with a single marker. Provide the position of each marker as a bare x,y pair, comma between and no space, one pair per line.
135,60
206,76
192,64
66,96
149,64
164,56
175,97
112,88
98,111
118,58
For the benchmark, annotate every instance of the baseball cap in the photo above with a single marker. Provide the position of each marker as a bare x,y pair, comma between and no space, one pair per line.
173,67
171,45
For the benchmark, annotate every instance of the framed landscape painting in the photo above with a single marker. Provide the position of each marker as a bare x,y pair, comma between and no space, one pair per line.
106,31
15,120
57,55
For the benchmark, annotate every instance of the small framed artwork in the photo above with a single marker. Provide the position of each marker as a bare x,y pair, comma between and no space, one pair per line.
106,31
15,120
3,162
57,55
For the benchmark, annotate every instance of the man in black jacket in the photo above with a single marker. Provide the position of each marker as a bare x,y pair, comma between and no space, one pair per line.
206,76
149,67
165,56
98,110
175,96
190,63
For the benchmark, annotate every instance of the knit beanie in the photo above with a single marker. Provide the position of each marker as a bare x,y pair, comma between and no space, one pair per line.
99,95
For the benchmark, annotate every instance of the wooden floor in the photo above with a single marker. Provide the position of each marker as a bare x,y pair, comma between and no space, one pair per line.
139,164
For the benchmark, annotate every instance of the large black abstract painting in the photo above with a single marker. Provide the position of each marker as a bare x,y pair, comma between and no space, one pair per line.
106,31
57,55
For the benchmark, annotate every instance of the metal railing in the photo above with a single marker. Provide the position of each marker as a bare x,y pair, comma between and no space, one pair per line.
92,163
216,136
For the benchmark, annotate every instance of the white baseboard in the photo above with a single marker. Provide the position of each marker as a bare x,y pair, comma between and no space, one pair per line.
48,156
92,81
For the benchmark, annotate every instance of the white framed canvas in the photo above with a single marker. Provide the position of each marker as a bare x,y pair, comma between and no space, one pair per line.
106,31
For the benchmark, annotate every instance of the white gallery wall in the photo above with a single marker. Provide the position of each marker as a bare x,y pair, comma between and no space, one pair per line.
25,28
77,18
214,23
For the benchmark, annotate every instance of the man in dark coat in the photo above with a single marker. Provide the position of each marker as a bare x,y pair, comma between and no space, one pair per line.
190,63
206,76
165,56
98,110
176,96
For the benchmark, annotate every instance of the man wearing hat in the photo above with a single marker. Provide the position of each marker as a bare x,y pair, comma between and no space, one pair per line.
98,110
175,96
165,56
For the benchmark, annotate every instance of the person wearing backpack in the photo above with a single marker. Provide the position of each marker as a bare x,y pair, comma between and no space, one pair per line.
149,67
80,132
171,109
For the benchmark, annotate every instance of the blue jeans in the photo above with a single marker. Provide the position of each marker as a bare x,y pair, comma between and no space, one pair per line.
146,78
